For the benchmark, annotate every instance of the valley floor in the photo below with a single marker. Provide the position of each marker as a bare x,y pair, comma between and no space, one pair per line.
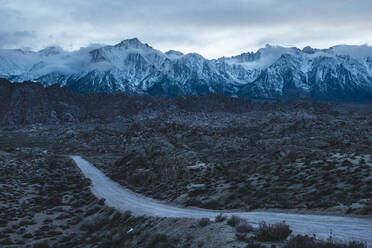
304,159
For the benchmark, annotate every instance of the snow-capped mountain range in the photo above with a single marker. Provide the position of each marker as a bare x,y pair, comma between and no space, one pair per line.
131,67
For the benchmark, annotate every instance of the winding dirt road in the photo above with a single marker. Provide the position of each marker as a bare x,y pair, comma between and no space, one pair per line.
122,199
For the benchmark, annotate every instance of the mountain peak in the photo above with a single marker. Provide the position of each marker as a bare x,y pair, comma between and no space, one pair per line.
194,56
50,51
247,57
268,45
173,53
308,50
131,43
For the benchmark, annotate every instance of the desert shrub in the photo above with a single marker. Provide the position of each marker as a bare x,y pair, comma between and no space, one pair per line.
252,244
243,226
276,232
92,211
301,241
101,202
366,210
126,215
292,156
196,192
94,223
212,204
53,200
201,243
159,240
356,244
41,244
189,237
52,162
204,221
369,182
347,163
220,218
244,189
138,179
241,236
194,202
233,220
159,237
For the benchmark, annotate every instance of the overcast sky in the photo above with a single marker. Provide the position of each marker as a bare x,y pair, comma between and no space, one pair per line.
212,28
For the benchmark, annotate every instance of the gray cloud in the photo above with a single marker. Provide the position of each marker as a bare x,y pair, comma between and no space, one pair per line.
213,28
16,38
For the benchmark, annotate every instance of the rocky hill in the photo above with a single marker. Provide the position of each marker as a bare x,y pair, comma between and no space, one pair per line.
30,103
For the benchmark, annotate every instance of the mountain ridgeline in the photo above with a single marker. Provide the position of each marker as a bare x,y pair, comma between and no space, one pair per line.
340,73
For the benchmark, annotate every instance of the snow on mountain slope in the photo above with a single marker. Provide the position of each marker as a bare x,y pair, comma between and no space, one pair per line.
172,54
131,67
